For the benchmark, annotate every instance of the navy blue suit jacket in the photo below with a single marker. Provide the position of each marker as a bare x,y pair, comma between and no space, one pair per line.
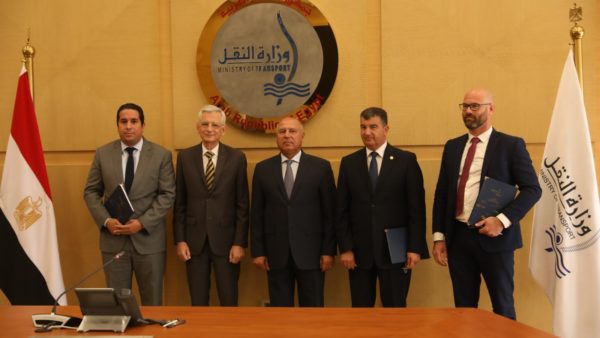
364,214
302,224
506,159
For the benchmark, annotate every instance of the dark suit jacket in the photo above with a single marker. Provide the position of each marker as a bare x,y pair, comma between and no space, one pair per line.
220,215
398,201
152,194
507,160
302,224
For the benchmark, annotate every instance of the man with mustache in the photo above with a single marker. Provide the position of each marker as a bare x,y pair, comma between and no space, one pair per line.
380,187
487,249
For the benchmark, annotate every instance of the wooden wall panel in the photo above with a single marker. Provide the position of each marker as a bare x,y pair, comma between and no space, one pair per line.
416,59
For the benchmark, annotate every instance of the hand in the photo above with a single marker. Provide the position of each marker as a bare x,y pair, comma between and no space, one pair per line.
440,255
183,251
347,259
131,227
326,263
261,262
111,225
236,253
491,227
412,259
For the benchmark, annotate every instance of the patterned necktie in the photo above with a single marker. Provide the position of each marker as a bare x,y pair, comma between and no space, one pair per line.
373,170
129,169
464,176
288,179
210,171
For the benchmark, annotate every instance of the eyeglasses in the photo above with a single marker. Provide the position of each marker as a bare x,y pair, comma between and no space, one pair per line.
473,106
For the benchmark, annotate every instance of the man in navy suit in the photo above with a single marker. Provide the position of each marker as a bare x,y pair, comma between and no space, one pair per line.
291,222
379,187
488,248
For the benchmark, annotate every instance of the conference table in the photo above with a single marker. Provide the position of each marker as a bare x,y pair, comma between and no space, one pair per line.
242,322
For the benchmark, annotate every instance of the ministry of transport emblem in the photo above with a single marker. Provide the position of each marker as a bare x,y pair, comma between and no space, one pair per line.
261,61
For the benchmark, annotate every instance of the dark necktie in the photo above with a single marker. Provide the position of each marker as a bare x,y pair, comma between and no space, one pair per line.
129,169
464,176
210,171
288,179
373,170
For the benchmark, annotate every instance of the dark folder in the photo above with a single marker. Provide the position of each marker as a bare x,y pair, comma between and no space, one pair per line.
396,241
118,205
493,197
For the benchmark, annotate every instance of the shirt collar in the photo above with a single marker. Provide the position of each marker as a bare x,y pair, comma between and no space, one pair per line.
296,157
214,150
380,151
483,137
137,146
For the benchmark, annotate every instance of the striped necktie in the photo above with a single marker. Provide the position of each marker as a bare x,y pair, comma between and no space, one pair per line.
210,171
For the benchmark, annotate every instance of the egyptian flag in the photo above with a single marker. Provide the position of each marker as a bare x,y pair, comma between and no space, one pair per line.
30,270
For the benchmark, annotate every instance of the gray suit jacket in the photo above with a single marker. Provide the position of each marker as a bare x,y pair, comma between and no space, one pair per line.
152,194
221,215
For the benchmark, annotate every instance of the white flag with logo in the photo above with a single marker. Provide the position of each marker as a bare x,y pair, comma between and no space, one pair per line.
565,251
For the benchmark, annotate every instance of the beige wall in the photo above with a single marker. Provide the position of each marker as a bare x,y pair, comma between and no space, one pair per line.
414,58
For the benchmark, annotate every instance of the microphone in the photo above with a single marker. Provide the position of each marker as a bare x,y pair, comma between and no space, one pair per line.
46,322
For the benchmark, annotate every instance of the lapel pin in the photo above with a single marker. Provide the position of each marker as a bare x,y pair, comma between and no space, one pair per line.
391,157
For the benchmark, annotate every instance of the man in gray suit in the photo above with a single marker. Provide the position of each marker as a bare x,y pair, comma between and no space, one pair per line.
210,219
146,169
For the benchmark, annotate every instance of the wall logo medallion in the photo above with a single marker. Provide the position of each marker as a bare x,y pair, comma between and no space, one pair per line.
261,61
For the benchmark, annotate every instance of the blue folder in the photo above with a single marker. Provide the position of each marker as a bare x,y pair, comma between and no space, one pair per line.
396,241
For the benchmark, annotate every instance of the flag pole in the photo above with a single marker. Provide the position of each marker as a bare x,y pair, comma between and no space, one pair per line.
28,53
577,32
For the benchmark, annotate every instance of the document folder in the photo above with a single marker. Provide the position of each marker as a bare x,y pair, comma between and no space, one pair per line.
118,205
396,241
493,197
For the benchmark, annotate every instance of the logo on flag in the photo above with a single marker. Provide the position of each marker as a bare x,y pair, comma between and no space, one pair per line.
28,212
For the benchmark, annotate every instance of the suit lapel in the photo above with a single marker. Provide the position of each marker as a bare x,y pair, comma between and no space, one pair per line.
363,168
198,159
487,158
386,164
276,166
221,163
117,164
142,166
301,173
456,156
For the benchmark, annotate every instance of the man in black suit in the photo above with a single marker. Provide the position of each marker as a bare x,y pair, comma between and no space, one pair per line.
379,187
487,249
210,218
291,228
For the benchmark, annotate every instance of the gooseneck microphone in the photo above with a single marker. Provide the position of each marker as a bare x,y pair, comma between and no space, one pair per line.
46,322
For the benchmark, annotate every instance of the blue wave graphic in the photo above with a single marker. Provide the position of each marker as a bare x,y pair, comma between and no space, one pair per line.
560,269
270,86
290,88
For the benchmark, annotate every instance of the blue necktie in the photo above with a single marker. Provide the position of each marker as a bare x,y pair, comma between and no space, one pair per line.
373,170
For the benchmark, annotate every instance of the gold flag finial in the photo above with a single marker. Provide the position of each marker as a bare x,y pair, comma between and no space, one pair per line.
577,32
28,54
575,14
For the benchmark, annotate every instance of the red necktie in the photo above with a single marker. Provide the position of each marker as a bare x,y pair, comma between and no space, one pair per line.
464,176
